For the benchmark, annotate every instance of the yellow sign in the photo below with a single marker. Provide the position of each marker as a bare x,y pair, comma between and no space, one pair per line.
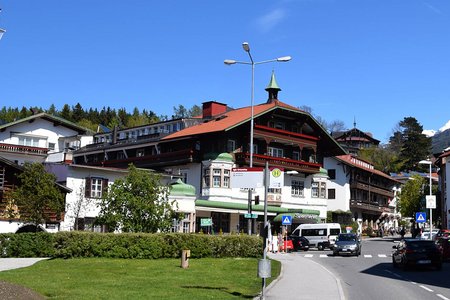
276,173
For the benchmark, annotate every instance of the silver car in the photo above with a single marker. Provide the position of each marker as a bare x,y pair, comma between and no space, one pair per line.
347,244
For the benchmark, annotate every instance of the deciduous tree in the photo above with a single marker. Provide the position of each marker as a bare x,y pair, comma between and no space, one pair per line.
137,203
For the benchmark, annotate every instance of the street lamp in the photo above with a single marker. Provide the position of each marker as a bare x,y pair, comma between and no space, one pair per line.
428,162
229,62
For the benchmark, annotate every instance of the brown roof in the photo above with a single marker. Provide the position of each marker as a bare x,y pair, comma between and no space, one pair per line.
230,119
362,164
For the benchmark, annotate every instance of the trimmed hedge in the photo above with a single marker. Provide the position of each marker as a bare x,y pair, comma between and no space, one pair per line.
127,245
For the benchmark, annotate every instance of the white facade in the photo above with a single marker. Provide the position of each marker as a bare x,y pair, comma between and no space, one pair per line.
340,184
39,140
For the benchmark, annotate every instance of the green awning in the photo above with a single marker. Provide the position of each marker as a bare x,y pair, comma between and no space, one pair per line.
299,217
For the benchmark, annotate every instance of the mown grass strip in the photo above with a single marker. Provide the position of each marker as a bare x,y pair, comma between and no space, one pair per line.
102,278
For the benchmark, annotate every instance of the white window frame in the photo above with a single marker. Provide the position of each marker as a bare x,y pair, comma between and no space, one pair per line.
275,152
298,188
96,187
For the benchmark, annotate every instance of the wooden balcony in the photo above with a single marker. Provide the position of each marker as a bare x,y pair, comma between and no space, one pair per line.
373,208
11,148
243,158
372,189
155,160
285,137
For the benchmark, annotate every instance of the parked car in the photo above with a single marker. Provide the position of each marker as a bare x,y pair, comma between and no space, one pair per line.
443,244
287,245
426,234
300,243
348,244
416,252
443,233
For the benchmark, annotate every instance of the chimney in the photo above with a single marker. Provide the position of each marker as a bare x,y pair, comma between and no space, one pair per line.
114,135
213,108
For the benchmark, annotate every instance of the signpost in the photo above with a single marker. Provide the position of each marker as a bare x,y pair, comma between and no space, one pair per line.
421,217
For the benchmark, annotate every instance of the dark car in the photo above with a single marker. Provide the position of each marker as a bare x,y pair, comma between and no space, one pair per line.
443,244
299,242
416,252
347,244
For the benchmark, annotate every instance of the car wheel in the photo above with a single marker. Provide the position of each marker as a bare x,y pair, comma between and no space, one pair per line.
394,263
320,247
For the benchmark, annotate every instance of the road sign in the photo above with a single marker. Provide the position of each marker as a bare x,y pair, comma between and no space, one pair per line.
421,217
286,220
205,222
276,178
251,216
247,178
431,201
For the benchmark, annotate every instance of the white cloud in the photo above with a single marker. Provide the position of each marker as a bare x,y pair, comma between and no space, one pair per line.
270,20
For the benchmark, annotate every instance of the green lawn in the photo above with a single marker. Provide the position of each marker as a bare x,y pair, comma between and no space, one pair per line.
102,278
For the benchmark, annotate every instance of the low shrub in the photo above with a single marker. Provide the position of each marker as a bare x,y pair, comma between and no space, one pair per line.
127,245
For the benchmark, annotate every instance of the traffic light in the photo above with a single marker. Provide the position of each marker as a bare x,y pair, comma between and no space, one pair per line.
256,199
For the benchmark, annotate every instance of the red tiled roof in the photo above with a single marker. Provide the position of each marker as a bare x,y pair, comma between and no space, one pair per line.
362,164
229,120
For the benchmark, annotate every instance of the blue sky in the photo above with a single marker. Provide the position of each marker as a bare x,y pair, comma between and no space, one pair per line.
376,61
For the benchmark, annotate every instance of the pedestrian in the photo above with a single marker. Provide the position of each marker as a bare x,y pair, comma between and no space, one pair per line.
402,232
280,242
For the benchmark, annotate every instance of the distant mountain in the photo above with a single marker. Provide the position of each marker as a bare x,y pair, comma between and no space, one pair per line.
440,141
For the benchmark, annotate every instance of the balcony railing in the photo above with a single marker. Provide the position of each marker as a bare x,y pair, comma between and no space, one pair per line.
23,149
372,207
372,189
243,158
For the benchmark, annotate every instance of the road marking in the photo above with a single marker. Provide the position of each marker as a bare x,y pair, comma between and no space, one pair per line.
442,297
426,289
309,255
323,255
382,255
367,255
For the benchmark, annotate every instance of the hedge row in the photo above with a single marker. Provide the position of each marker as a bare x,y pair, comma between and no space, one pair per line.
127,245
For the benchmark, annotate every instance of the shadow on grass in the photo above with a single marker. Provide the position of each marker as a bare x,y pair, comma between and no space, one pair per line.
223,289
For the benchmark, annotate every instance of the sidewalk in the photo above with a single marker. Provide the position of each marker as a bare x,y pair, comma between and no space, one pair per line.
303,278
15,263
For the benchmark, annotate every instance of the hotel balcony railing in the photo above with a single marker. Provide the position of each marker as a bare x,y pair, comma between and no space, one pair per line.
243,158
11,148
372,189
370,206
181,156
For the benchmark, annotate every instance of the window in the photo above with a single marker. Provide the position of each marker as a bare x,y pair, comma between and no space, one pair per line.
332,173
277,125
217,177
231,145
331,194
28,141
315,189
226,178
323,190
95,187
296,155
51,146
297,188
206,178
140,152
275,152
120,155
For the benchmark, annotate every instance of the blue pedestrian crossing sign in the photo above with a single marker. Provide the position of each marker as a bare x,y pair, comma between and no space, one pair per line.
421,217
286,220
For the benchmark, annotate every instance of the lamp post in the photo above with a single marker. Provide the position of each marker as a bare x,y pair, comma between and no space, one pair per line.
428,162
229,62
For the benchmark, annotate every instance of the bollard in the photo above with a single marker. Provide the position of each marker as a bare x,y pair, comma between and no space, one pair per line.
185,254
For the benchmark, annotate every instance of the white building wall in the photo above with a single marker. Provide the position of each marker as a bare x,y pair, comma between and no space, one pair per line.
341,185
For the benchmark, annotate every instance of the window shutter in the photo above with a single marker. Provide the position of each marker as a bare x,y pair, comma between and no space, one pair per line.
104,186
87,188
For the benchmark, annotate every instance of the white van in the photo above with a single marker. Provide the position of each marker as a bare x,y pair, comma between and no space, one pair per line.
319,235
